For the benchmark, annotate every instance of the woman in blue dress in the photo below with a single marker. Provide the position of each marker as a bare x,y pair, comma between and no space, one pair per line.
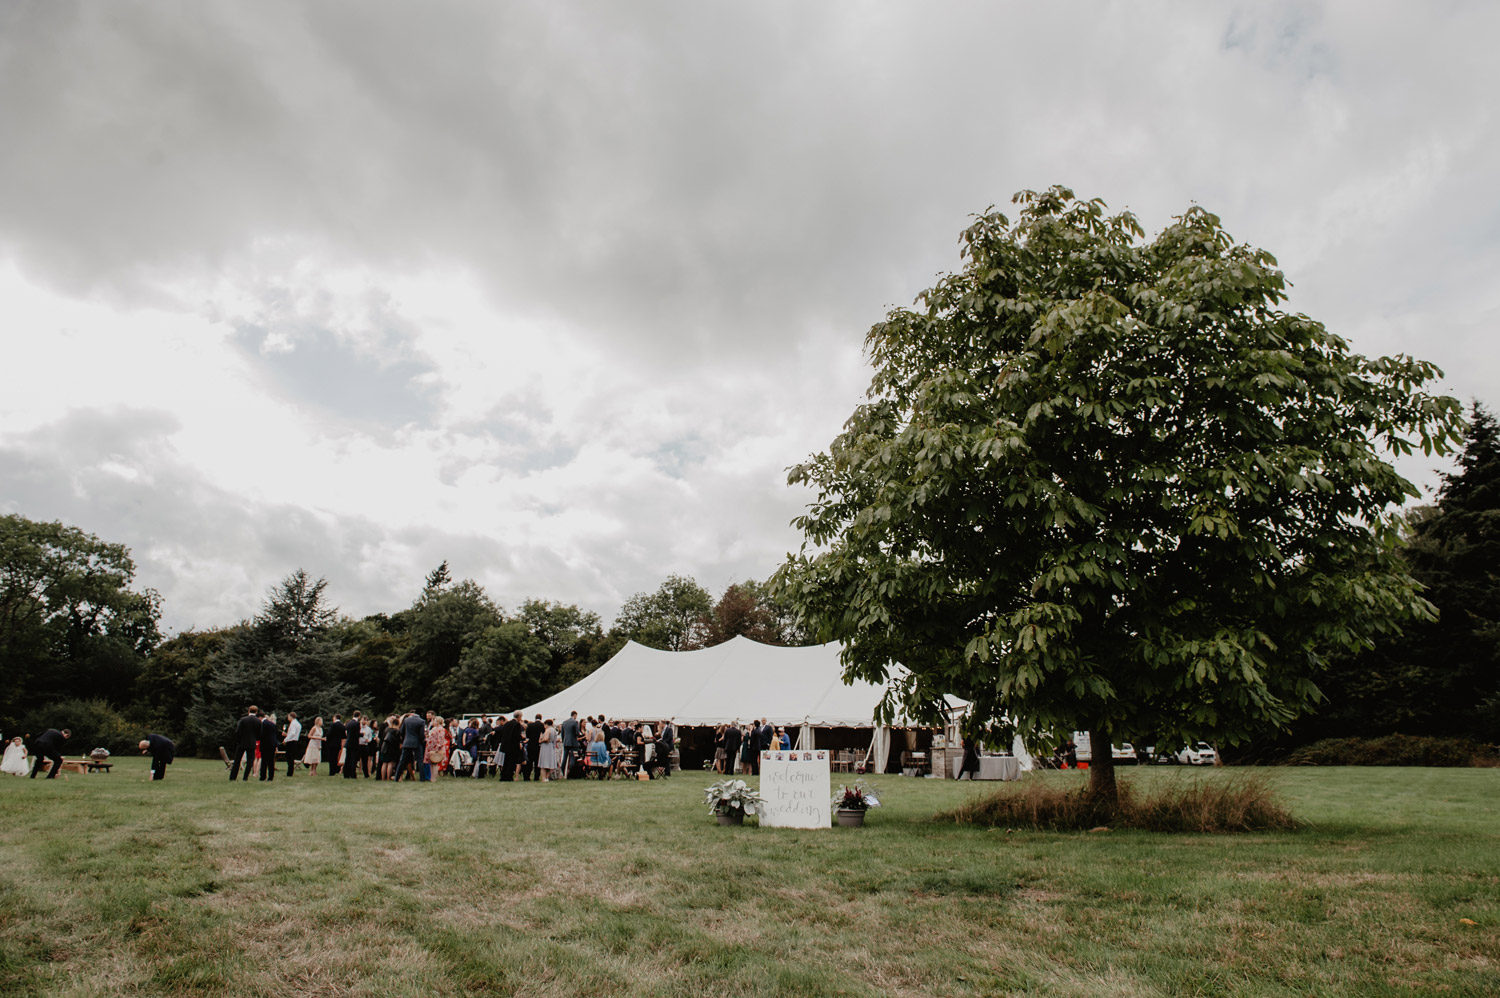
598,754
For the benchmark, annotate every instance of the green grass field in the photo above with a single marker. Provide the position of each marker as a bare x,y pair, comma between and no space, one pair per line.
110,885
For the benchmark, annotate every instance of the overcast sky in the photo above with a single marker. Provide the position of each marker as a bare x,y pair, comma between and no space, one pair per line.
556,291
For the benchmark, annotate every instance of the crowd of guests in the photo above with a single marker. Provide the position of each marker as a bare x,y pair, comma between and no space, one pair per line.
422,747
426,747
737,748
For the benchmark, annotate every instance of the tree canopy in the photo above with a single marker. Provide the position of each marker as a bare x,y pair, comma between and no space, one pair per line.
749,609
1442,677
70,621
666,618
1105,483
286,658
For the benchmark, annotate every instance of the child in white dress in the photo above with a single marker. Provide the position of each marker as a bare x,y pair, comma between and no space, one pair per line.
14,762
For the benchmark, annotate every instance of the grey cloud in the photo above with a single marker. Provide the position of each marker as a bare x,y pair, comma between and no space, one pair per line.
344,379
719,197
687,182
214,554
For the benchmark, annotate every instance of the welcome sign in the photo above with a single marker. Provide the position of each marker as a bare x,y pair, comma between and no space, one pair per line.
795,788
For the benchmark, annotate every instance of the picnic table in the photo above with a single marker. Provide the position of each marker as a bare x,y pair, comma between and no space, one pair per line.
86,765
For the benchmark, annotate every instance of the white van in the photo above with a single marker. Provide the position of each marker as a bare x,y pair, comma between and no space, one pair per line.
1200,754
1123,754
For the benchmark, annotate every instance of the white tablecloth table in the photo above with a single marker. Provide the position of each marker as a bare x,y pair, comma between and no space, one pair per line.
993,767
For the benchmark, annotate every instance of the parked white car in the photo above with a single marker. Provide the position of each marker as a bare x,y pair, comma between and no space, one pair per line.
1201,754
1123,754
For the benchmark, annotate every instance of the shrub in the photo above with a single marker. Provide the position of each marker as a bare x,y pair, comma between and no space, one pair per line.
94,723
1394,750
1239,804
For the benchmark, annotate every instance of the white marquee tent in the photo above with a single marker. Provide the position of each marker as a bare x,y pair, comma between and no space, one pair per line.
734,681
738,680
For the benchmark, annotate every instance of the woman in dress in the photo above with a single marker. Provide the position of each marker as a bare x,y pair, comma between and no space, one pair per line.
547,751
437,747
314,753
390,748
645,743
369,747
14,762
598,753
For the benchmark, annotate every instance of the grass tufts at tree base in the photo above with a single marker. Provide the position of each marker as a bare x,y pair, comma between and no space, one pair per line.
1236,804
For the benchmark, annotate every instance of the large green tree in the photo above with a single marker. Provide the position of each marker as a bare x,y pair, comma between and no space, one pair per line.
178,671
287,658
444,621
503,668
1105,483
748,609
374,649
1457,557
71,624
575,640
1441,677
668,618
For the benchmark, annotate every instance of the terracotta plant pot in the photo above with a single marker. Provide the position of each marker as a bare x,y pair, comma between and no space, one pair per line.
850,817
730,817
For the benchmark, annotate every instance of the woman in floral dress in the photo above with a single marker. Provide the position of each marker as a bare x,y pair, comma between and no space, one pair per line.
437,747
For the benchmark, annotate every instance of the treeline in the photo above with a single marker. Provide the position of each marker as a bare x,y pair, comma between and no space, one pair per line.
1440,678
81,647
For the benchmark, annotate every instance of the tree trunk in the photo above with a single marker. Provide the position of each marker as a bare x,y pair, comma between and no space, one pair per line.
1102,786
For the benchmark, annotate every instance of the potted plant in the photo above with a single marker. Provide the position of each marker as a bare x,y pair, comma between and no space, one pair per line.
729,800
851,802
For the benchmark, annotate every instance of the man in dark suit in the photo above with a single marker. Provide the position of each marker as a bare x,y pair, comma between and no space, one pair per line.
731,748
756,744
270,740
570,745
510,746
352,746
333,743
666,743
48,745
162,751
246,737
413,744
